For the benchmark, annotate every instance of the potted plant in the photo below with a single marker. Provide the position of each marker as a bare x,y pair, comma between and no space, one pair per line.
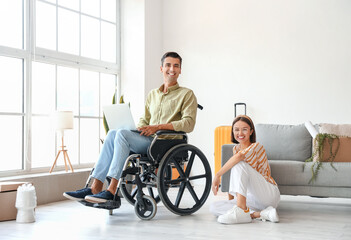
322,154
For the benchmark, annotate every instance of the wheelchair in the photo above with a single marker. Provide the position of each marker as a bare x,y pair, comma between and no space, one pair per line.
172,171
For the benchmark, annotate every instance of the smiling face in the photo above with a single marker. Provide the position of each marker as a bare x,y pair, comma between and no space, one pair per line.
242,132
171,70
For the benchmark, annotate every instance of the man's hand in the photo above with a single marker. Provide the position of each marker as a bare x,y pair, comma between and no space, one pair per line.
148,130
151,129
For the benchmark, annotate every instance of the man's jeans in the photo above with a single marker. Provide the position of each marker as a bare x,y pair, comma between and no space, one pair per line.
116,148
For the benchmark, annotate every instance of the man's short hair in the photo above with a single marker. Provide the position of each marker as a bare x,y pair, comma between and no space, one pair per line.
173,55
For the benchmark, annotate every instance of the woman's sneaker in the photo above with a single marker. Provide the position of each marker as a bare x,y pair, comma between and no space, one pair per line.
78,195
269,214
101,197
235,215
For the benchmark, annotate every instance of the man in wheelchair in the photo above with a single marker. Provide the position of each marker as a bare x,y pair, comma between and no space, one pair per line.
169,107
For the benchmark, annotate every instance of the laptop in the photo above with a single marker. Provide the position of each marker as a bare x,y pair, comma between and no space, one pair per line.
119,116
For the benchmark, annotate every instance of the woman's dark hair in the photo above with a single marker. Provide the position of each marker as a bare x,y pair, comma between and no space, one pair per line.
173,55
248,120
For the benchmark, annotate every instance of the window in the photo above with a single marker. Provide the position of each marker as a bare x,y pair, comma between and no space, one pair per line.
11,12
55,55
11,113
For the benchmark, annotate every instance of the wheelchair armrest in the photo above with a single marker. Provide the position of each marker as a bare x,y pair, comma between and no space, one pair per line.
159,145
169,132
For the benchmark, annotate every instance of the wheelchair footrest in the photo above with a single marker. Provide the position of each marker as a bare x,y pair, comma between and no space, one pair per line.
109,205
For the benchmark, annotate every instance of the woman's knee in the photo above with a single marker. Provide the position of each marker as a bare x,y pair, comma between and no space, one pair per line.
239,172
240,166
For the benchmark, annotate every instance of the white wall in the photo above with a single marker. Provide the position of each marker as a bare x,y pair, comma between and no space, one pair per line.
288,60
153,44
141,51
133,52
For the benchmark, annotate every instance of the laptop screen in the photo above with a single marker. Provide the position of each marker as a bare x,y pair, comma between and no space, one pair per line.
119,116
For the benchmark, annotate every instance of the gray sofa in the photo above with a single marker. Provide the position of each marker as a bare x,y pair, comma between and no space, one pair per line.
287,148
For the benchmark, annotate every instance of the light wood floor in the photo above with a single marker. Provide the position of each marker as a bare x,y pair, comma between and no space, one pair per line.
300,218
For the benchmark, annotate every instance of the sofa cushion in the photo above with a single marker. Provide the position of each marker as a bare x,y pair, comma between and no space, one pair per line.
294,173
285,142
337,129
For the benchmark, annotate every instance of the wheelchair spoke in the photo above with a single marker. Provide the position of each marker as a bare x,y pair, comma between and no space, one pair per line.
192,192
179,168
175,181
197,177
148,206
146,209
190,164
180,194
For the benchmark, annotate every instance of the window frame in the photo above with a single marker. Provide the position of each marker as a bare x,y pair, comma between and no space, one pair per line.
30,53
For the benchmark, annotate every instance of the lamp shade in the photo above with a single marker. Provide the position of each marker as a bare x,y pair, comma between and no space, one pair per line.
63,120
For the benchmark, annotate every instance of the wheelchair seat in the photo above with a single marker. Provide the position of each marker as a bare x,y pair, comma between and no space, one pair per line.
159,146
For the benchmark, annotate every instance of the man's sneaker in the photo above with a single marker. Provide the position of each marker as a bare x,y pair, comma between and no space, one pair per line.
101,197
235,215
78,195
269,214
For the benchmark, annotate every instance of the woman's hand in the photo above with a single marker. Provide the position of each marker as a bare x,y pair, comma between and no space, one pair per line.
240,156
215,184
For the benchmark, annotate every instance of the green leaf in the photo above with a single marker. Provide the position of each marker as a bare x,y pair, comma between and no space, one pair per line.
318,151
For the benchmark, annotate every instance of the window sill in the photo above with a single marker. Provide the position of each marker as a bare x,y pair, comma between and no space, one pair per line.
45,174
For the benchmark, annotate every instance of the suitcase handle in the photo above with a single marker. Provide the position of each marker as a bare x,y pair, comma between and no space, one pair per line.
236,104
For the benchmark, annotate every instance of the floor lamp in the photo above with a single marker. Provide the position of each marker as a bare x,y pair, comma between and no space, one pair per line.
63,121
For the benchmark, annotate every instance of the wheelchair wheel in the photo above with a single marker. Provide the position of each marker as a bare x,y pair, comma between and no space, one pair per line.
147,210
186,193
129,188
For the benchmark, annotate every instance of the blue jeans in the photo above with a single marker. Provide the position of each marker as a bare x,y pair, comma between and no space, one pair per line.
116,148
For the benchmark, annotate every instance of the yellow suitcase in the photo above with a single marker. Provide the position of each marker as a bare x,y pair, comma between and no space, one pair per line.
222,136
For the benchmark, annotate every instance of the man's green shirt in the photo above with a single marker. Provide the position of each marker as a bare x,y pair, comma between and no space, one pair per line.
177,106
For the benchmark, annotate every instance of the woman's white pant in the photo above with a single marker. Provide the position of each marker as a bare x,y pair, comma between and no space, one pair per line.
246,181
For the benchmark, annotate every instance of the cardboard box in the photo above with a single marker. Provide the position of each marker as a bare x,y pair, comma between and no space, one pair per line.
8,192
344,152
